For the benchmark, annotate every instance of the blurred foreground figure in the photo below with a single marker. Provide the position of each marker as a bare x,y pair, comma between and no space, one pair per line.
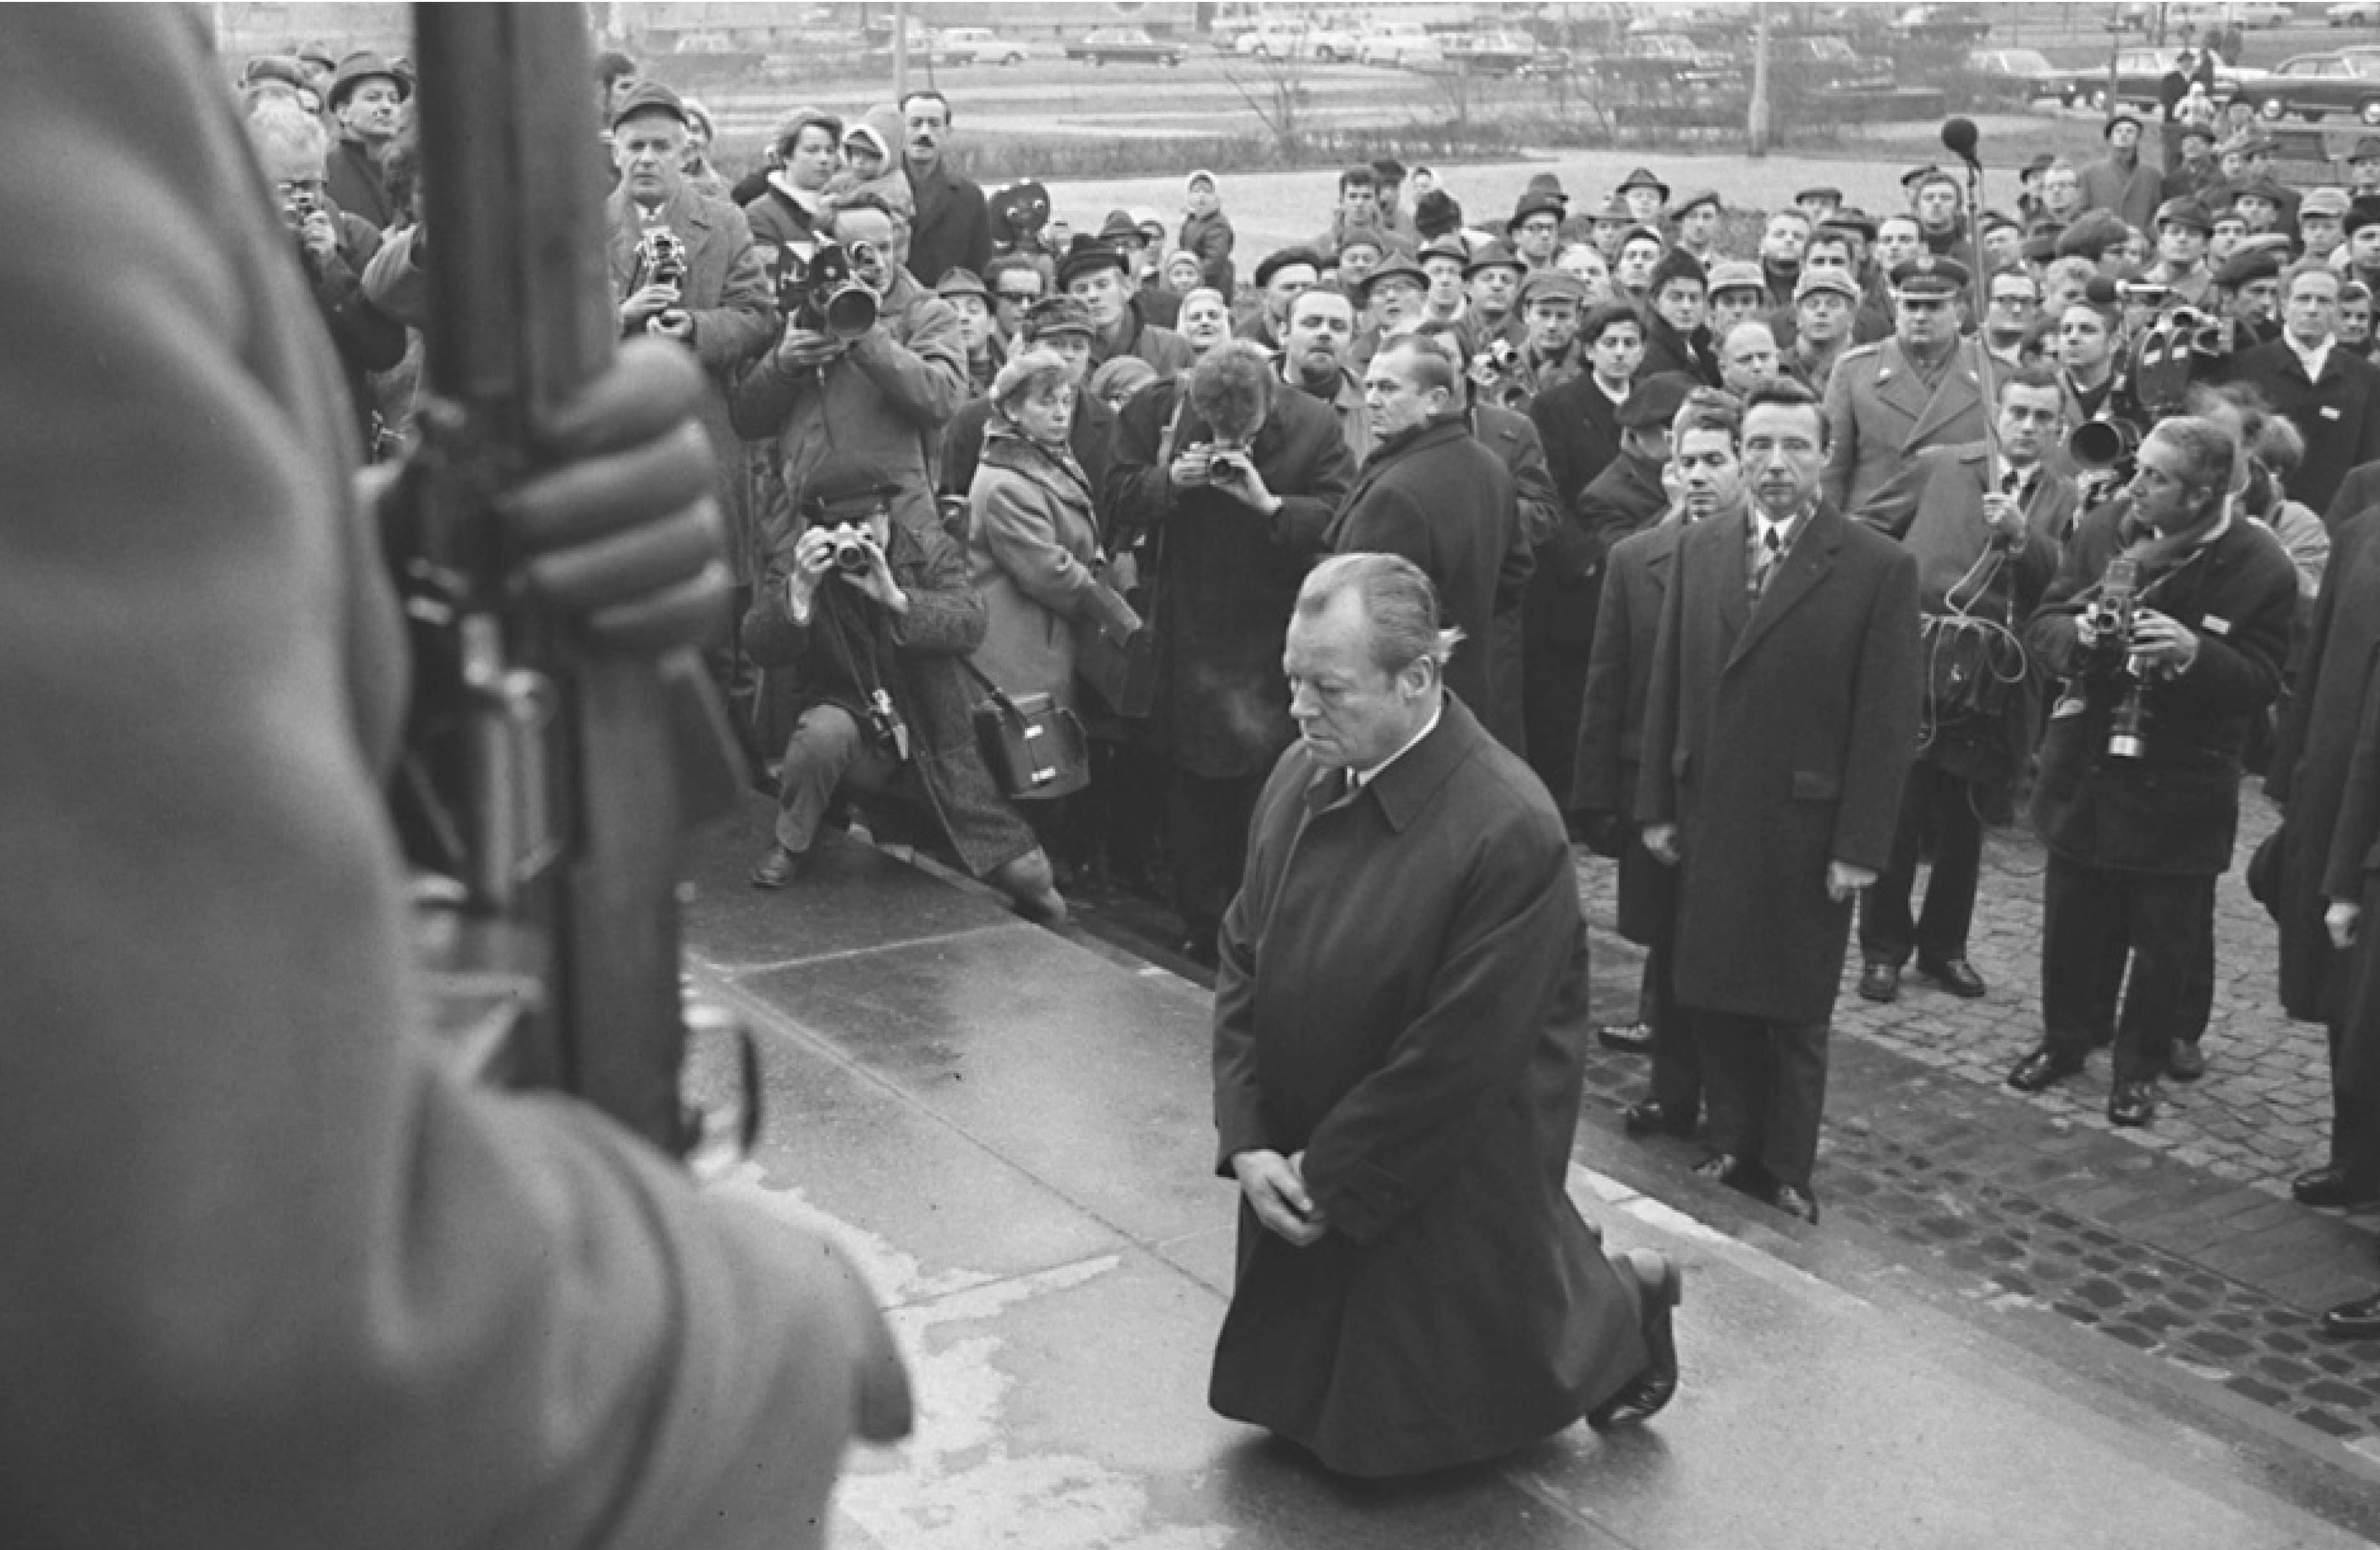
1399,1026
275,1276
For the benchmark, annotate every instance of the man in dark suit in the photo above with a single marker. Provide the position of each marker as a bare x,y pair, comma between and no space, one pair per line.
952,228
1982,521
1432,493
1778,735
1710,487
2329,392
2358,492
1917,388
2138,801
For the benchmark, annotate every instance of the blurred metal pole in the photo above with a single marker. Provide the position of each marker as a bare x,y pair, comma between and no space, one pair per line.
900,50
1756,127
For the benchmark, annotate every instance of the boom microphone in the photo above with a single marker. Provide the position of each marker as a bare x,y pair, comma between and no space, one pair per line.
1959,139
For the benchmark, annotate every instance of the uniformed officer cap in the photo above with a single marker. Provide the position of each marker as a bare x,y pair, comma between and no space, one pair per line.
1930,274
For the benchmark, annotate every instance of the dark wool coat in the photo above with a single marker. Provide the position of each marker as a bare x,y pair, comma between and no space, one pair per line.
1225,576
2358,492
1777,738
1509,435
851,646
1667,350
1423,1051
1611,718
2318,741
2176,811
1436,496
2355,876
1580,428
1935,506
1625,498
953,226
2339,415
353,177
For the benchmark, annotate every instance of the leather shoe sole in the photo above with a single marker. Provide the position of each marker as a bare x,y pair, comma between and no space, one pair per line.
2329,1187
776,869
1632,1039
1880,982
1954,974
1795,1202
1660,1286
2041,1068
2359,1320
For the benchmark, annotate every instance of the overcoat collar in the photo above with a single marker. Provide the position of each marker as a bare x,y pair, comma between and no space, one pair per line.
1804,566
1411,782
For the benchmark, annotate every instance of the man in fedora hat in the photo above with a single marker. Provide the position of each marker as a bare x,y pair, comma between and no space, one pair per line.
1646,196
364,101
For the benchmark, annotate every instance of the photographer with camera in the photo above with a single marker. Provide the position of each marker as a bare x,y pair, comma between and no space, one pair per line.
872,610
2169,622
291,146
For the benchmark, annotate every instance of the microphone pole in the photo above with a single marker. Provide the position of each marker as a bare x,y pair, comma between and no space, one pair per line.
1959,139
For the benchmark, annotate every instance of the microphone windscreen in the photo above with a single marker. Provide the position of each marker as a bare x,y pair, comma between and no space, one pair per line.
1958,138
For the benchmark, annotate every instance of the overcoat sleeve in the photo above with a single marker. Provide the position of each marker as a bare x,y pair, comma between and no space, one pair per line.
2357,830
1399,1133
1657,776
1842,422
924,374
743,321
1240,1122
275,1276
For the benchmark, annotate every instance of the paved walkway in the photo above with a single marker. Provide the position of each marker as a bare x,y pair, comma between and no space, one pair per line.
1010,1127
2178,1239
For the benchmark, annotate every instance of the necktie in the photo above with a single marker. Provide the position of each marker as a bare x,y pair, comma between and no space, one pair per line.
1772,545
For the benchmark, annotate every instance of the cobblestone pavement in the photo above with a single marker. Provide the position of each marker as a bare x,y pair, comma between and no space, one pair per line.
2178,1239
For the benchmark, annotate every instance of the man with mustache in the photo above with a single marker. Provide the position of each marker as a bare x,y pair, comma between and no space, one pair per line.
952,226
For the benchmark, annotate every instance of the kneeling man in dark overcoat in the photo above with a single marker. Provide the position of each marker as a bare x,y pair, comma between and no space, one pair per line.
1400,1033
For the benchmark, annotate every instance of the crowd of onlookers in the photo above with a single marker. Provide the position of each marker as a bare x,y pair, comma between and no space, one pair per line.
2127,426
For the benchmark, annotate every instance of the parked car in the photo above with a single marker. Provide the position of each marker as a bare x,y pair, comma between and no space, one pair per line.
1124,45
2315,85
2140,71
1824,62
1296,38
2019,75
1490,54
981,46
2354,13
1400,45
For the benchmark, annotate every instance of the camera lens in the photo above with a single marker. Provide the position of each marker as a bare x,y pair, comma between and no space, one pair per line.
850,554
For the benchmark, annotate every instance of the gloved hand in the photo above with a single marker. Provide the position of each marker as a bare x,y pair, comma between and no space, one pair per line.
620,533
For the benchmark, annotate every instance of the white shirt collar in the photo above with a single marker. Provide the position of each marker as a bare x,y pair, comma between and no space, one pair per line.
2312,359
1362,778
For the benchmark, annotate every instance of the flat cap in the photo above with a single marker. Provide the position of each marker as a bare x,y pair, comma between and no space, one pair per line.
1552,285
1272,264
1736,275
1852,219
2323,202
2121,115
1054,315
2188,211
1833,280
1698,197
2366,148
1654,400
651,96
2093,233
2248,264
1088,255
1820,191
962,281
